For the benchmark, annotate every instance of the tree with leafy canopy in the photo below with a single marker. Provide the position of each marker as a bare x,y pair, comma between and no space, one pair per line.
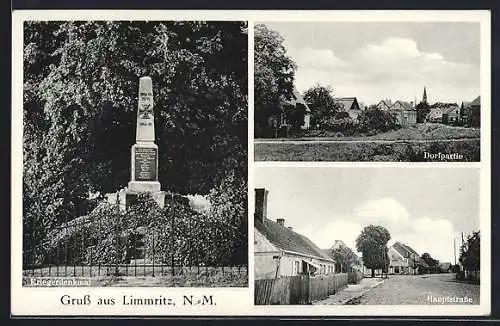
374,120
372,242
470,252
322,104
432,264
345,257
80,100
274,73
423,110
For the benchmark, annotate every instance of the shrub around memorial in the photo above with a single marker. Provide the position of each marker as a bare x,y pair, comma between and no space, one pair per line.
229,206
175,235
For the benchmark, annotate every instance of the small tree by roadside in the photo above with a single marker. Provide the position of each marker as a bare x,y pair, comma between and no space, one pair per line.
373,121
422,110
372,242
470,256
432,264
345,258
322,103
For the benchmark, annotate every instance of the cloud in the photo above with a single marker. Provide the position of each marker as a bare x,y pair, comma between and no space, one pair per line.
384,209
341,229
392,47
315,58
394,68
424,234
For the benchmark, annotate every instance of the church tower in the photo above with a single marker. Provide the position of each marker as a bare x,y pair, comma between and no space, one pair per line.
424,97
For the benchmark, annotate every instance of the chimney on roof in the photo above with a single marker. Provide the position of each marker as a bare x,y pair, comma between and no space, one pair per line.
280,221
260,204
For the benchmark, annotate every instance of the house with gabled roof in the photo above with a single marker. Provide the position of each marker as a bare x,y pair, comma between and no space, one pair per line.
384,105
279,251
404,112
295,101
444,113
404,259
445,267
349,105
471,112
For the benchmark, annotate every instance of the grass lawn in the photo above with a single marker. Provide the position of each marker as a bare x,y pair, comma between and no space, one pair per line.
143,276
421,131
401,151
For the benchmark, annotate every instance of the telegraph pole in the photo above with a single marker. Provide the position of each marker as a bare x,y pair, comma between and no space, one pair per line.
455,251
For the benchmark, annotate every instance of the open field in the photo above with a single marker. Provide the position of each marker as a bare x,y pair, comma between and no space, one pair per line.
376,150
404,145
144,276
421,131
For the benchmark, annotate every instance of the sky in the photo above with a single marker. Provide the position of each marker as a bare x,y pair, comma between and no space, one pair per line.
425,208
386,60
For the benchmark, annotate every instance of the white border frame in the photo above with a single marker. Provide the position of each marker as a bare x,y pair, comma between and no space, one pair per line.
239,301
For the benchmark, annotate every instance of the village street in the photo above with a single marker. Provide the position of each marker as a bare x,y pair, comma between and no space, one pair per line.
410,289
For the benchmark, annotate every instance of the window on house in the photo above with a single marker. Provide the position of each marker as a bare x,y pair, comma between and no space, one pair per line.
296,267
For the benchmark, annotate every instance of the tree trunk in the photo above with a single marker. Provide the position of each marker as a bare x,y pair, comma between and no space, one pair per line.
373,272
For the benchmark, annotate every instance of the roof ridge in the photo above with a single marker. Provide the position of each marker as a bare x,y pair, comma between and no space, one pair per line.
289,240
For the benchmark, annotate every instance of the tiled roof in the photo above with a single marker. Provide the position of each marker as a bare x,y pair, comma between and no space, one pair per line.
297,98
346,103
388,105
408,252
435,113
384,105
288,240
338,243
476,101
327,252
451,108
405,105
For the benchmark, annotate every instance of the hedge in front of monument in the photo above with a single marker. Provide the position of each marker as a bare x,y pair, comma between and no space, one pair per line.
173,235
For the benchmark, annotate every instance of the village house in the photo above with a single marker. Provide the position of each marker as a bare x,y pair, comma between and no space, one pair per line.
349,105
404,260
279,124
296,101
471,112
445,267
404,112
446,113
279,251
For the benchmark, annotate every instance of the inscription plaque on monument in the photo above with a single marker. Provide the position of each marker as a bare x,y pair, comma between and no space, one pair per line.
145,164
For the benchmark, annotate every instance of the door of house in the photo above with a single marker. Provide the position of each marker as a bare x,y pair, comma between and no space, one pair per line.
305,269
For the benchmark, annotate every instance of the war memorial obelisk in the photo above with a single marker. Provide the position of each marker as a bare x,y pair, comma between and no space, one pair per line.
144,154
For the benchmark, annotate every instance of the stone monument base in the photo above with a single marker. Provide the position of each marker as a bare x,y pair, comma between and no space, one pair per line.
144,186
125,198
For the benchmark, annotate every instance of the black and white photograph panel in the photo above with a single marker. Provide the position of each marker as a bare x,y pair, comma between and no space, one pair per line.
368,91
135,153
367,236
